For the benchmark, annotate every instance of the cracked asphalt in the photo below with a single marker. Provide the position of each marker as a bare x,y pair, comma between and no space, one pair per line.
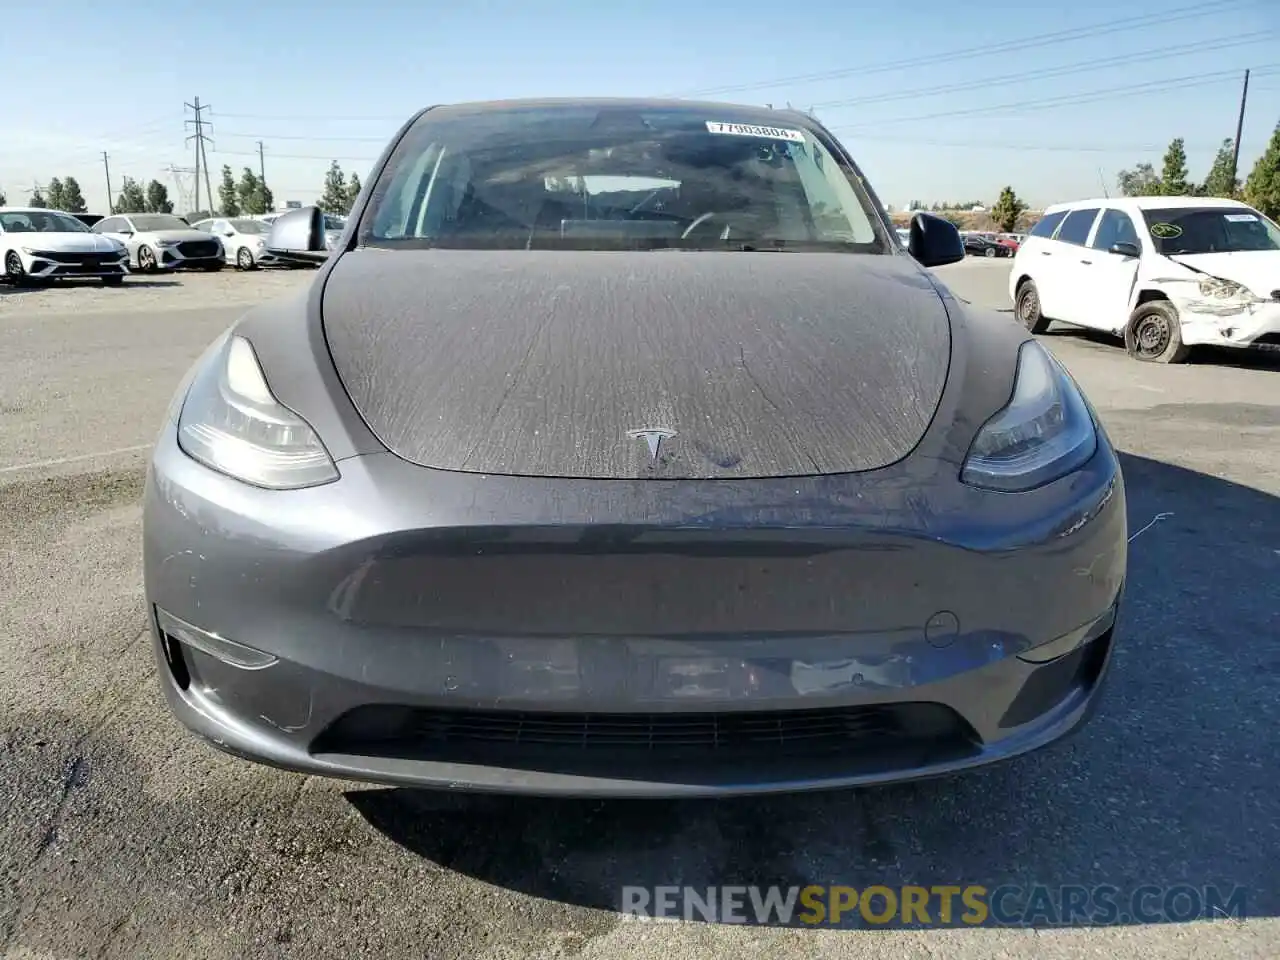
122,836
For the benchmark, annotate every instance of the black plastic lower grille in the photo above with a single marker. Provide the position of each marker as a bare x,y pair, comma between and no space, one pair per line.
198,248
78,259
402,731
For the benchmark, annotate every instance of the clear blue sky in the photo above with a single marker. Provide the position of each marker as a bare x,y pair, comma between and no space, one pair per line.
318,81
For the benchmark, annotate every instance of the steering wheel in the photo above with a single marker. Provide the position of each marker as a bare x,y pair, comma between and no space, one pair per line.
699,221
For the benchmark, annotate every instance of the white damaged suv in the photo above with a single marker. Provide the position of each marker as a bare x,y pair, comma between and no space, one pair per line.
1165,273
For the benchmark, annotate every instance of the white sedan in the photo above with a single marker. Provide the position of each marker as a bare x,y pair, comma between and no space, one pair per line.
40,245
244,240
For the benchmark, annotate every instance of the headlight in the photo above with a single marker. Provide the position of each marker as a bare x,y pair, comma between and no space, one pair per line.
29,251
1043,433
231,423
1217,289
166,243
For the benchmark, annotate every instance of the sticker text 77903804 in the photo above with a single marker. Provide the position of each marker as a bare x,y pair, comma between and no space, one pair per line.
755,130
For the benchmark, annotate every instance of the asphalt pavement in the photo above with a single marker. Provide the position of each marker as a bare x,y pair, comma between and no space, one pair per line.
122,836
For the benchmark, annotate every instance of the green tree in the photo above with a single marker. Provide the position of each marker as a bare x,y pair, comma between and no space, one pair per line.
255,198
4,199
37,198
131,199
54,196
227,197
334,198
157,198
1173,178
353,193
1220,182
1141,181
1007,210
1262,189
72,198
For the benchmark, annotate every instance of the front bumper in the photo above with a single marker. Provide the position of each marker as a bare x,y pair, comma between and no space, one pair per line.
1225,325
175,258
488,633
55,265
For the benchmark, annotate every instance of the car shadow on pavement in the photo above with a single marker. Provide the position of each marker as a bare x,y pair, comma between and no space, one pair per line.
1172,787
1256,359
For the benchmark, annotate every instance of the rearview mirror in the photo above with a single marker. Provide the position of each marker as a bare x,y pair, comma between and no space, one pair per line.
1125,249
934,241
299,234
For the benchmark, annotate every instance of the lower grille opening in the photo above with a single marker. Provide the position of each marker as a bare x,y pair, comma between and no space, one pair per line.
661,743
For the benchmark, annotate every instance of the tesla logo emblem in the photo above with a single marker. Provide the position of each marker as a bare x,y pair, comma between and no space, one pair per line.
652,438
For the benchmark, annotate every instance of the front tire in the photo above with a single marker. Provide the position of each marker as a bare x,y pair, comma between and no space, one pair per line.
1027,308
146,259
1154,334
244,259
14,270
990,252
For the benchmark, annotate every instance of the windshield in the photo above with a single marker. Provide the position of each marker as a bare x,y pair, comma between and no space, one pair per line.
1210,230
41,221
250,226
143,222
611,178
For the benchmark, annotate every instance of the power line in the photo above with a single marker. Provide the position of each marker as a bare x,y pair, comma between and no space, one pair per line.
1092,96
1082,66
308,137
1194,11
1028,147
326,157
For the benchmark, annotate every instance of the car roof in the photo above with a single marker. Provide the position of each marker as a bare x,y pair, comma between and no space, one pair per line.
1145,203
711,109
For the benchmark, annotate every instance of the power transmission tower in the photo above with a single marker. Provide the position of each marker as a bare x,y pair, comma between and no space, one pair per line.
181,188
200,138
111,204
1235,150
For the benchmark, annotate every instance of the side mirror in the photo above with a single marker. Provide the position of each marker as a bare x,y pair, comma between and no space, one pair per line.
299,235
1125,249
934,242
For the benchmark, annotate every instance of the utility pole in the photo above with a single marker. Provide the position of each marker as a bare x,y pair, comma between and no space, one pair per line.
1235,150
1103,180
262,173
202,158
111,204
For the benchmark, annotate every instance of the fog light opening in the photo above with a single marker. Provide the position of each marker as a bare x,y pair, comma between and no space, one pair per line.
176,661
220,648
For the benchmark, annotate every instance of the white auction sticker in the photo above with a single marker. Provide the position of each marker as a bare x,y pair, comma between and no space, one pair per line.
1241,218
755,130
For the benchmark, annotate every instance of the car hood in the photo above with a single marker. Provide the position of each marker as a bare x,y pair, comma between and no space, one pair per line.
1259,270
178,236
64,242
548,363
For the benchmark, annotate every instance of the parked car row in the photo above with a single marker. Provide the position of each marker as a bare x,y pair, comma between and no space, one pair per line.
39,245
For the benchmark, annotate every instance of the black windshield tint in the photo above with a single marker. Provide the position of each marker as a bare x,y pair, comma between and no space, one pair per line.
590,177
41,221
1210,230
158,221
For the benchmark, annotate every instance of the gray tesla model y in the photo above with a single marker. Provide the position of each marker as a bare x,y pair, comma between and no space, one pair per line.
622,448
